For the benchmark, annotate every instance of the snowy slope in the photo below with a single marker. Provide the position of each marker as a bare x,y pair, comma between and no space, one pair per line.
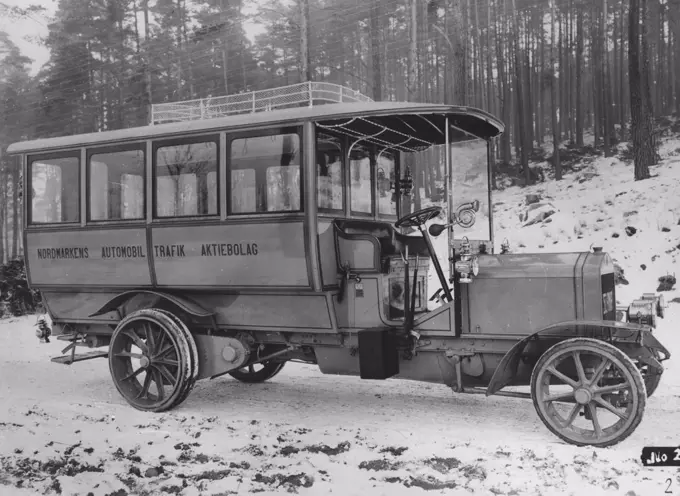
65,430
597,211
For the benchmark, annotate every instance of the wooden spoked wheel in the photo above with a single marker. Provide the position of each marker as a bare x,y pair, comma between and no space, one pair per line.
588,392
257,372
153,360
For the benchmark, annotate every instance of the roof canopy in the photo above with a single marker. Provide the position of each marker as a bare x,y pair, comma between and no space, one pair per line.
403,126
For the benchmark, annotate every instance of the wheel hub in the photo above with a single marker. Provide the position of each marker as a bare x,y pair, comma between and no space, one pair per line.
144,361
583,396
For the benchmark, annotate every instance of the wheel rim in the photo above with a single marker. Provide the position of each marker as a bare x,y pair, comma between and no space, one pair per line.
145,364
596,385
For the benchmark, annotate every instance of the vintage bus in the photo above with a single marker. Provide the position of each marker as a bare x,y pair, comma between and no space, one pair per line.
324,228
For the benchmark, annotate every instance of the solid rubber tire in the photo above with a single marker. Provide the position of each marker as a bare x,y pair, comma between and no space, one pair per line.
190,383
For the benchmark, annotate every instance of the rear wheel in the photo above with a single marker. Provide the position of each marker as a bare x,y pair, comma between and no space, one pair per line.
257,372
587,378
153,360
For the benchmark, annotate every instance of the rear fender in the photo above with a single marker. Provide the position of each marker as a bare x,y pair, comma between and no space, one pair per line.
636,340
182,302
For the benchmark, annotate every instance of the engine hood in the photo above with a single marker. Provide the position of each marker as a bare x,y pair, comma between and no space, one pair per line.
542,265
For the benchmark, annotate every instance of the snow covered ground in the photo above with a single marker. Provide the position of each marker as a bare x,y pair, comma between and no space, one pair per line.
65,430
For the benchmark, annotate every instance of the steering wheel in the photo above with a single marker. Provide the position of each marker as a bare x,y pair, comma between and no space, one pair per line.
419,217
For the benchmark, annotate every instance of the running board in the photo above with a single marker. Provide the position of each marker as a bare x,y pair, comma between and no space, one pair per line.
69,359
507,394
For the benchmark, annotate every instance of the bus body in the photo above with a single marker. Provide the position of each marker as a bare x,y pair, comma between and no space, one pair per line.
199,248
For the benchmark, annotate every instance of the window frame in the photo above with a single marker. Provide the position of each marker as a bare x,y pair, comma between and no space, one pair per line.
263,133
30,159
89,152
179,141
343,165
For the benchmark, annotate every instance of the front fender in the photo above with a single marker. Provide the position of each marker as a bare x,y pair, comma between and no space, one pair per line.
182,302
624,333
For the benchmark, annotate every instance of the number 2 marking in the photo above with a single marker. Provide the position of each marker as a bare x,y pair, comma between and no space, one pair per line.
668,487
677,455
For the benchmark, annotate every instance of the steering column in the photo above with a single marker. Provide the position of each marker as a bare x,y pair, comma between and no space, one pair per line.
418,219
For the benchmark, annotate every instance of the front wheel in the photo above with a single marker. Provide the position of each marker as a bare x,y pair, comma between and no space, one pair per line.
257,372
588,392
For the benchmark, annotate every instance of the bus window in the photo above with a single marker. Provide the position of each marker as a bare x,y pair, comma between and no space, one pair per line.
265,174
186,179
329,169
385,177
116,185
360,177
55,190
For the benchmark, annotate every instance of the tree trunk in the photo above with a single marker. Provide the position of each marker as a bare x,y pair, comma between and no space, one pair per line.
640,131
647,105
375,49
489,70
460,79
579,78
504,92
519,95
674,25
606,89
186,50
561,81
541,84
179,49
413,51
537,78
661,64
568,87
553,98
673,47
623,116
528,87
616,84
147,69
304,41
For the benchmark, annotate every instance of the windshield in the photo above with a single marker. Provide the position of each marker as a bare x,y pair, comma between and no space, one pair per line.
470,179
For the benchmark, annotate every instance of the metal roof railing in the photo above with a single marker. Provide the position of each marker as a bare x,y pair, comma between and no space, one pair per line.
306,94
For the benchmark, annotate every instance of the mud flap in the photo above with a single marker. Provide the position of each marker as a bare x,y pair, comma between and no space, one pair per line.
507,369
650,342
653,363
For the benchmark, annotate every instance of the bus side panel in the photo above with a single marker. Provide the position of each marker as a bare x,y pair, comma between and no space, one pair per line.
112,257
236,311
286,312
263,254
77,306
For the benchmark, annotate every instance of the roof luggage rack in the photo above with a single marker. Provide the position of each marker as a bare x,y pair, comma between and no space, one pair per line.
306,94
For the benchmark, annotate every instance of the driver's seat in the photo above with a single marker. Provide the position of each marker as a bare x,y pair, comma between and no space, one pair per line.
386,240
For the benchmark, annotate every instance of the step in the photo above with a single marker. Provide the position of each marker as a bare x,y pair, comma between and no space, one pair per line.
80,357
